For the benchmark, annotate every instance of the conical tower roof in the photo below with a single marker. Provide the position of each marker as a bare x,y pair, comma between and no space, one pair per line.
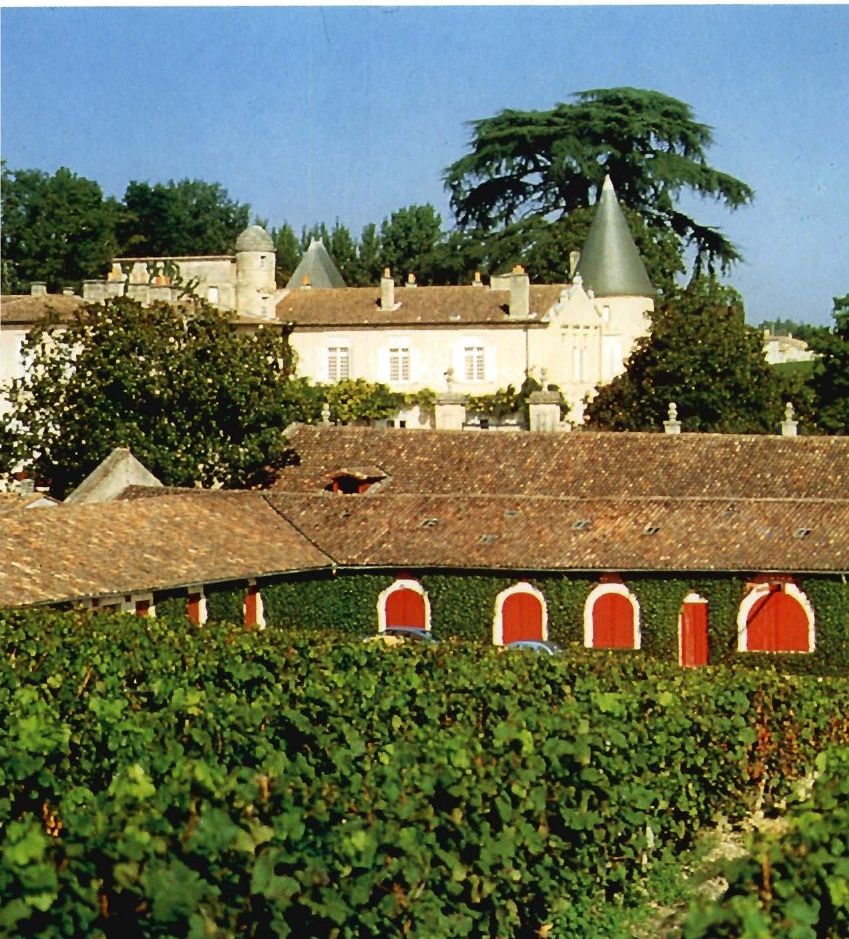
318,266
610,263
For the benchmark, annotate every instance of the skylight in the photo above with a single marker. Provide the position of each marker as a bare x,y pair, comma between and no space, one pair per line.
487,539
582,524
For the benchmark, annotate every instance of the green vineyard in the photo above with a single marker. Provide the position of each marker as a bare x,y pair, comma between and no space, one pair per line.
163,780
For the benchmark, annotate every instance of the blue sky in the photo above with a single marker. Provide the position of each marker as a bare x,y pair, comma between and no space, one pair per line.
311,113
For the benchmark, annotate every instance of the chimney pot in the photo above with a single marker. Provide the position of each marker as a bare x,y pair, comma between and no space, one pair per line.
411,280
477,282
673,425
789,426
38,288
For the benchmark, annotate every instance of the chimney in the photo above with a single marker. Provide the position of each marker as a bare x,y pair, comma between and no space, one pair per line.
387,290
520,292
789,426
673,425
477,282
574,257
411,280
67,291
38,288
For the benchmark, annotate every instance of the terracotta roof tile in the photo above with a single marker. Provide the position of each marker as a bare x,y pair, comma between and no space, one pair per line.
360,306
578,464
546,533
28,308
100,549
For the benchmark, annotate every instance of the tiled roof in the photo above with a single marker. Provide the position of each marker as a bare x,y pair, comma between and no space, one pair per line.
360,306
578,464
96,550
545,533
29,308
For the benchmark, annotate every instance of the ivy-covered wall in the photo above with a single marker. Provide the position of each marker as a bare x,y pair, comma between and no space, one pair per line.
463,604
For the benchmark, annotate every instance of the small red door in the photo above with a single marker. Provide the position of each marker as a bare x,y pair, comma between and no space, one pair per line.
521,617
252,605
777,623
405,607
193,607
613,622
694,634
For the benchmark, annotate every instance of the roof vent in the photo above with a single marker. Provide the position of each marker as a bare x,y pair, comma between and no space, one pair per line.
429,522
487,539
511,513
582,524
651,529
801,532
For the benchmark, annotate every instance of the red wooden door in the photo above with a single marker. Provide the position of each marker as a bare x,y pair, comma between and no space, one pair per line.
521,617
777,623
405,607
252,605
694,634
613,622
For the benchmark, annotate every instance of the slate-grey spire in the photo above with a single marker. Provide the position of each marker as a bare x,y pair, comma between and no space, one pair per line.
318,267
610,263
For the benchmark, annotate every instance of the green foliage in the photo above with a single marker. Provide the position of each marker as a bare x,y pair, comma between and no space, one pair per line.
288,252
192,398
355,399
543,163
58,229
792,883
189,217
701,355
166,780
408,238
831,372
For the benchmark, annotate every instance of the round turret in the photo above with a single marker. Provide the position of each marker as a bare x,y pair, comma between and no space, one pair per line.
255,262
254,238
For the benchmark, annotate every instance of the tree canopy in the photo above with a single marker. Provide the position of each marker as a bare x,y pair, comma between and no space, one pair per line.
830,382
545,164
193,399
58,229
179,218
702,356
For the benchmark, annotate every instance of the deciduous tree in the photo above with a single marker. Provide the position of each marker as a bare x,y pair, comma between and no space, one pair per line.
193,399
702,356
546,164
58,229
831,372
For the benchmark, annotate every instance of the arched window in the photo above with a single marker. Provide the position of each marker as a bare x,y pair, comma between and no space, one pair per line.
693,631
775,617
611,618
520,613
404,603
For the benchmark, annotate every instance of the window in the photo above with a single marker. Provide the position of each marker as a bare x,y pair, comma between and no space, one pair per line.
338,360
212,295
399,363
474,369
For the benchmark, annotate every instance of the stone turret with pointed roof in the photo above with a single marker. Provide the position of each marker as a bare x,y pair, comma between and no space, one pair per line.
610,263
317,267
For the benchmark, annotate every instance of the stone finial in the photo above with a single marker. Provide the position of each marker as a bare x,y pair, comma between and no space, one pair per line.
325,413
574,257
449,378
789,425
411,280
477,282
305,281
543,377
673,425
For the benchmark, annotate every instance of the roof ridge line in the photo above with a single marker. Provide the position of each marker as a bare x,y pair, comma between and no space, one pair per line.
298,529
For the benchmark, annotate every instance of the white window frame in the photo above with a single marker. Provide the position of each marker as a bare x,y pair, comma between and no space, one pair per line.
399,363
474,361
752,597
498,619
596,594
334,360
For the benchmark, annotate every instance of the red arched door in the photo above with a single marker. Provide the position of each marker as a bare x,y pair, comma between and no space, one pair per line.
777,623
521,617
613,622
405,607
694,633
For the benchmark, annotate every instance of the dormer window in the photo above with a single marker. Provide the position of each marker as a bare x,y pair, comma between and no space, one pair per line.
354,480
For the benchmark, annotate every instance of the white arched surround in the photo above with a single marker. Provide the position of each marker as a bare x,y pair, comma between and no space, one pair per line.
403,583
498,619
600,591
758,592
690,598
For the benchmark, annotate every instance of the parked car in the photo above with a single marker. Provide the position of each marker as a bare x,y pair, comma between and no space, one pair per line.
394,634
534,645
